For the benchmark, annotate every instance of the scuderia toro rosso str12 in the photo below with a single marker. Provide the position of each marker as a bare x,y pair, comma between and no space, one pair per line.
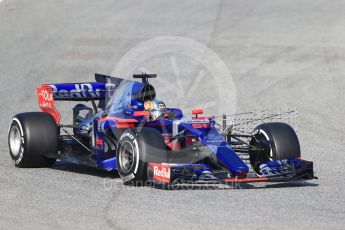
126,128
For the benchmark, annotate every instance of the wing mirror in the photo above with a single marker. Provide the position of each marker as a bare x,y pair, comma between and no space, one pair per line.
196,112
141,113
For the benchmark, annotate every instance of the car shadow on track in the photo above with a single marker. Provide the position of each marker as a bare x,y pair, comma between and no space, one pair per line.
88,170
178,187
84,169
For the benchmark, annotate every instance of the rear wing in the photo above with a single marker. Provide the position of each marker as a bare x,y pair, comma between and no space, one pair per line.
78,91
90,91
49,93
46,102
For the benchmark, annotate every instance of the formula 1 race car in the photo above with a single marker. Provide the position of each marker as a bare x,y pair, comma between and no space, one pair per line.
131,131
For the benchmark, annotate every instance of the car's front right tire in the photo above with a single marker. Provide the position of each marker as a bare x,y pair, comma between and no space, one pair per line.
137,148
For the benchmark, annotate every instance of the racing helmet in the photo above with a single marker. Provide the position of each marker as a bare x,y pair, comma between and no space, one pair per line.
156,108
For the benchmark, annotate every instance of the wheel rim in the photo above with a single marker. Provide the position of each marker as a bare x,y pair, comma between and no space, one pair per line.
15,141
257,157
126,157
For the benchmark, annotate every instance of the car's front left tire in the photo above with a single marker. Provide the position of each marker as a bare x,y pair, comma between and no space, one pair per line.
273,141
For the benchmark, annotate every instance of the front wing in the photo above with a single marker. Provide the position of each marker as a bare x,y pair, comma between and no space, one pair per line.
273,171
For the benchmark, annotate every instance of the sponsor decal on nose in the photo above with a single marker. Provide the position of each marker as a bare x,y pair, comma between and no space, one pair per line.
162,173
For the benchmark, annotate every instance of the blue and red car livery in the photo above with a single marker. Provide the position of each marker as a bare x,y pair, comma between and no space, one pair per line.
126,128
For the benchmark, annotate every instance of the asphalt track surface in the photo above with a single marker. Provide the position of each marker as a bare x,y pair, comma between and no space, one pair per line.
280,54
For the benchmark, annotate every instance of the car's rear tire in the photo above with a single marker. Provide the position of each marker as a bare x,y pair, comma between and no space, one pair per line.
137,148
277,140
31,136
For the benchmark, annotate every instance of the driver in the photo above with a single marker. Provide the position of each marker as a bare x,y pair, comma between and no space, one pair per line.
156,108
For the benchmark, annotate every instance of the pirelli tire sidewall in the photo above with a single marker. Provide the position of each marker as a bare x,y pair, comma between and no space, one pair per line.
129,140
39,136
283,139
148,146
